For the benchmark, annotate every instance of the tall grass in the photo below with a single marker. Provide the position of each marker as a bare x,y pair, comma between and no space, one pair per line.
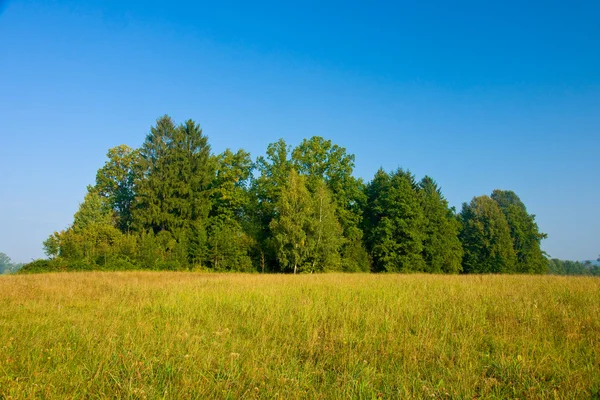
186,335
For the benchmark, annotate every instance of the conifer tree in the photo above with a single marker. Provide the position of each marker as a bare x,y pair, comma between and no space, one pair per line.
173,193
395,222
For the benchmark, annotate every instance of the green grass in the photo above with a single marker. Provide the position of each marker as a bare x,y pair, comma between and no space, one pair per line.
186,335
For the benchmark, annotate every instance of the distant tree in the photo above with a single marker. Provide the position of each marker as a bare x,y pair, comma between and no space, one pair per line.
7,266
485,237
442,250
5,263
566,267
115,182
395,222
524,232
556,267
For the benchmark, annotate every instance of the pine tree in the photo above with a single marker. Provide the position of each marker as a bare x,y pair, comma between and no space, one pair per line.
442,250
485,237
173,193
395,223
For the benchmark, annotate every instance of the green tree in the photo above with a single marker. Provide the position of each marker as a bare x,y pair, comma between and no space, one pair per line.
92,240
324,235
93,210
115,182
485,237
173,193
442,250
395,223
321,160
290,226
228,242
524,232
265,193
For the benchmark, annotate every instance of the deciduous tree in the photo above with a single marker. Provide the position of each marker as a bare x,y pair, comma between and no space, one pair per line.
524,231
485,237
442,250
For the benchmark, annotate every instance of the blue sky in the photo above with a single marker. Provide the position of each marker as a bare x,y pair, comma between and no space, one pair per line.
478,95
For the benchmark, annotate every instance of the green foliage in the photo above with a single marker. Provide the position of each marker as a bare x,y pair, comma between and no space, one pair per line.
565,267
173,193
115,182
485,236
324,235
395,223
177,170
291,224
41,266
229,244
306,230
442,250
93,211
524,232
173,205
321,160
265,189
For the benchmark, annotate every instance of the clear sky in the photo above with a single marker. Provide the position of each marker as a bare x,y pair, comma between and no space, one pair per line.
477,94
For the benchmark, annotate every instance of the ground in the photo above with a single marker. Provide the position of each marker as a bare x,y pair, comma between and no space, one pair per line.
194,335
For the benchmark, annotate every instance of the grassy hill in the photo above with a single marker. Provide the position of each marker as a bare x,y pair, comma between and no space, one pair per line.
186,335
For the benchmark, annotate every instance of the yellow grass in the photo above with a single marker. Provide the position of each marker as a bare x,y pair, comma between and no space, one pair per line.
187,335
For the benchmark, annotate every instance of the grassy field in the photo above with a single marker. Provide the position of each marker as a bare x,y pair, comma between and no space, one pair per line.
186,335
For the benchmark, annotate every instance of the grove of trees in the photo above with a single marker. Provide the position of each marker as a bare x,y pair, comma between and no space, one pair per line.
174,205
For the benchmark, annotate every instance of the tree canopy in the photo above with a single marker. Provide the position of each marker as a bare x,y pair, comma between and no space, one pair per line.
173,204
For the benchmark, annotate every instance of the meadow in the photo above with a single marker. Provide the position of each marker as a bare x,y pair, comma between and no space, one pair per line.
197,335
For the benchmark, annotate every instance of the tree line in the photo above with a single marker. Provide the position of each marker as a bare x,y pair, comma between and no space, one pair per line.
174,205
566,267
